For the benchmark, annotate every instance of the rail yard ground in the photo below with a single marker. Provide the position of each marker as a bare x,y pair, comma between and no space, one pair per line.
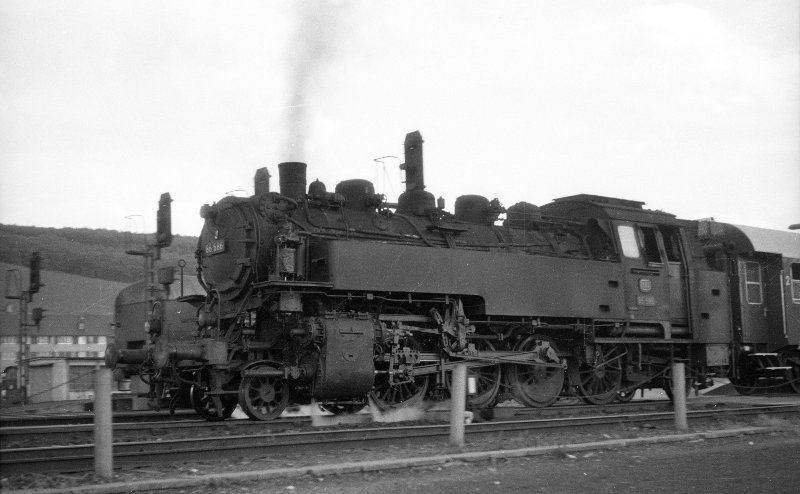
734,455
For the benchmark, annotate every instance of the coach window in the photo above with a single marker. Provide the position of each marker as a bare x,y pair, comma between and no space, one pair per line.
627,239
796,282
752,279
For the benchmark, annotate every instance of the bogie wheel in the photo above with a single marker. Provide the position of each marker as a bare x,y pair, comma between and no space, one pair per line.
400,390
537,385
793,375
744,386
263,397
212,408
745,383
598,381
487,380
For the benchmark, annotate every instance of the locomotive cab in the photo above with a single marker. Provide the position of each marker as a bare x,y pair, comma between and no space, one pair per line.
653,262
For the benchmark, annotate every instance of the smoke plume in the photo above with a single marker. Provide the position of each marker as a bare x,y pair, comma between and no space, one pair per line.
316,42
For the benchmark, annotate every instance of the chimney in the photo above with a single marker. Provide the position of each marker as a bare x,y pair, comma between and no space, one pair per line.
293,179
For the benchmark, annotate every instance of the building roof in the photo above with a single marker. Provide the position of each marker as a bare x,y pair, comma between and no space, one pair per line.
58,325
73,304
70,294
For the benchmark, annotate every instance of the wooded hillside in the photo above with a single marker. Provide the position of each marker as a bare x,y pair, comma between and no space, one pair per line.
86,252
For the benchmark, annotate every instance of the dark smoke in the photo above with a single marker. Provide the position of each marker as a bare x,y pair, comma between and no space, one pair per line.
315,44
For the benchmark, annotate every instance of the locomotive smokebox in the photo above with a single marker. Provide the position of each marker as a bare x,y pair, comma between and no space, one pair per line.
293,179
261,181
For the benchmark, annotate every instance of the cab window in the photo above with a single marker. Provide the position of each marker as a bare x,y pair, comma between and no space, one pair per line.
796,282
627,240
647,239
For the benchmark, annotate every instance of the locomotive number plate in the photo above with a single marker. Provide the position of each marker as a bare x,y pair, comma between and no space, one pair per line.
215,247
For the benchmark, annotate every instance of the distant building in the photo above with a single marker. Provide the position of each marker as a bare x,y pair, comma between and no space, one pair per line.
59,336
69,341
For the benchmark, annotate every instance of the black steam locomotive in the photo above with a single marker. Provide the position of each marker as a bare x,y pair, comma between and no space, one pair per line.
342,298
151,306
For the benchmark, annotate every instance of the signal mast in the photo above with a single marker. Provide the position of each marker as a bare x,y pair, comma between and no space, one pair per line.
14,291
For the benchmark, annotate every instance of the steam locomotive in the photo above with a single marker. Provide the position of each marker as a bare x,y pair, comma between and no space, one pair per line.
152,303
343,299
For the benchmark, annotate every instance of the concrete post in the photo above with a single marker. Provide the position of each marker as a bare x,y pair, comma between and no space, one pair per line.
679,395
458,402
103,449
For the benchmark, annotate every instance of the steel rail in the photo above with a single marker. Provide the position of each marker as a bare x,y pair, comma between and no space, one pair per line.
291,421
52,418
79,457
70,424
563,409
196,423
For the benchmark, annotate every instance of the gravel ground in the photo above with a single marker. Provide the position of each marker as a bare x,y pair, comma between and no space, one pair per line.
230,464
767,462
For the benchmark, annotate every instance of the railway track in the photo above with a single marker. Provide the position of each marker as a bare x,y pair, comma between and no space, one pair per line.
76,418
74,458
156,420
65,434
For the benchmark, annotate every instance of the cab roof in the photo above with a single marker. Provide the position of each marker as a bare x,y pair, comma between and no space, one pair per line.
583,205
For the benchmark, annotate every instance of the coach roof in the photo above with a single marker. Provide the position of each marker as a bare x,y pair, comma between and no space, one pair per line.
782,242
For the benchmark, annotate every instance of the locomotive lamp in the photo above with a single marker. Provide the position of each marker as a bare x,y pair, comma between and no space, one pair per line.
153,326
206,318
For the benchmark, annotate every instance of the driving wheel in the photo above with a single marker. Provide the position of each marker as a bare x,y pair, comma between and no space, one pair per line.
537,385
599,378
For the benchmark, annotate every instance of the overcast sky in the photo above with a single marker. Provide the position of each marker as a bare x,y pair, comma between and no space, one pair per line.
692,107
